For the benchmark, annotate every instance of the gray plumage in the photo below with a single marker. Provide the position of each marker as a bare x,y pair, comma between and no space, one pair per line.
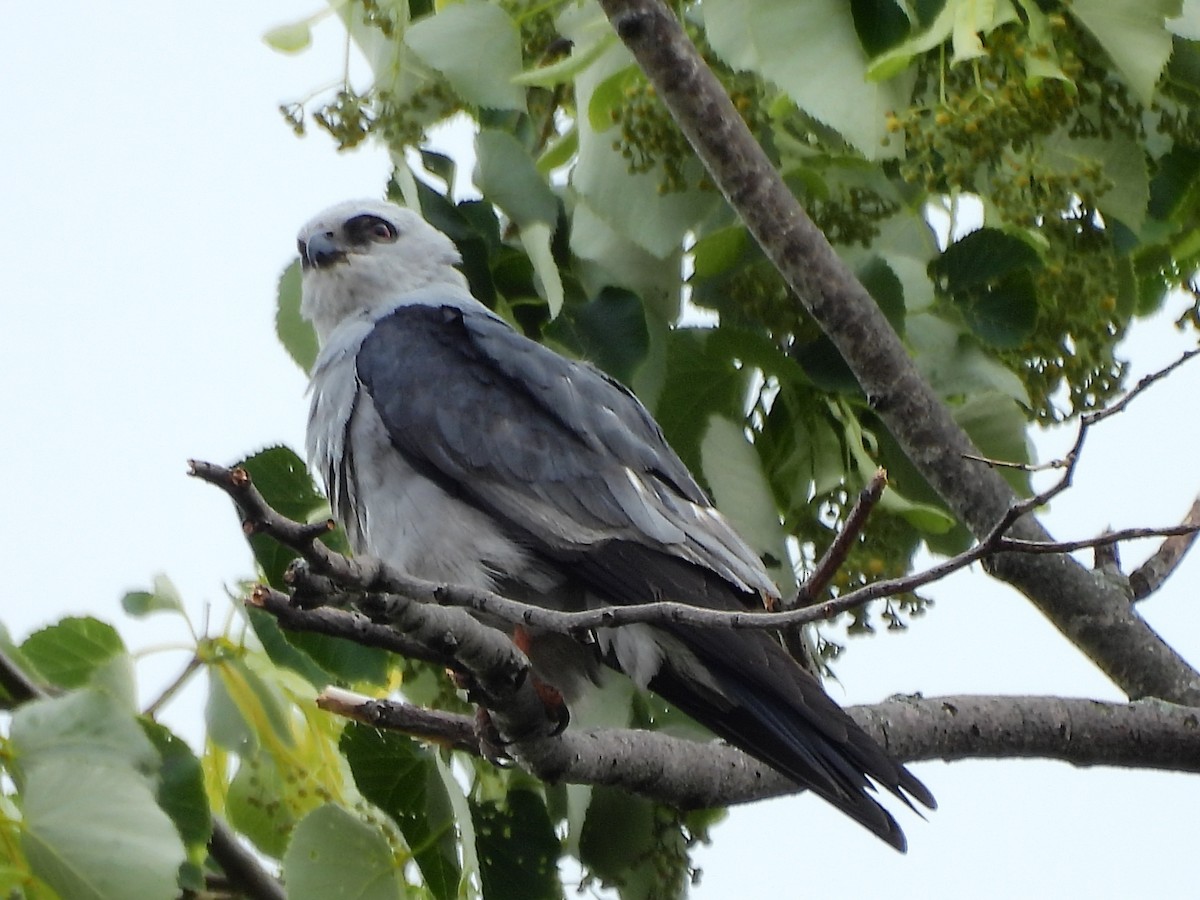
462,452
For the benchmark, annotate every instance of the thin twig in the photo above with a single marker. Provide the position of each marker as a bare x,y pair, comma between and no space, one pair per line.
241,866
450,730
835,556
1109,537
173,688
1150,575
382,585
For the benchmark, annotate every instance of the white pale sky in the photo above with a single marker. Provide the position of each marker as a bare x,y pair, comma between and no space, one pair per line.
149,197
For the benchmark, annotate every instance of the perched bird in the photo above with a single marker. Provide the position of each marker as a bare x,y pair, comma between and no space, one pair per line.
462,452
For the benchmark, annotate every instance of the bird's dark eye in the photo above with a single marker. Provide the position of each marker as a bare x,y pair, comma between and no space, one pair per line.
365,228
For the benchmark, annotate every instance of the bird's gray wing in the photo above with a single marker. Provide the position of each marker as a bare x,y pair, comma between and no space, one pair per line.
567,458
550,446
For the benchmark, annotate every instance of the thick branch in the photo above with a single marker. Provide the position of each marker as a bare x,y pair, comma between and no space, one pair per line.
690,774
1097,618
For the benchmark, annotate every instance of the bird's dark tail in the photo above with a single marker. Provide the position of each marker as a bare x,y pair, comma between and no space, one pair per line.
788,721
745,687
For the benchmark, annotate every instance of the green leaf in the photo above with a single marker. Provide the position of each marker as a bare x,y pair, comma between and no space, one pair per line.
223,720
811,50
998,427
164,597
700,381
741,491
801,451
78,727
1134,35
559,151
439,164
566,69
517,848
94,832
608,96
607,258
981,257
69,653
629,204
1120,158
885,289
626,842
293,330
402,779
880,24
1005,315
954,363
257,804
279,646
478,48
258,708
90,826
1175,189
535,238
609,331
334,855
959,21
16,696
825,366
719,251
506,175
181,791
475,230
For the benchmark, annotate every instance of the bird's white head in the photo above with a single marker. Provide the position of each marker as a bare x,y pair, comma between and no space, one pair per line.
364,255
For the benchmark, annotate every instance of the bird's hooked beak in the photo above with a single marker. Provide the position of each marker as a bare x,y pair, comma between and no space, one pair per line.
320,251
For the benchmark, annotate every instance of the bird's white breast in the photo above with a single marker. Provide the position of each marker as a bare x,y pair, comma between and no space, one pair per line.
408,520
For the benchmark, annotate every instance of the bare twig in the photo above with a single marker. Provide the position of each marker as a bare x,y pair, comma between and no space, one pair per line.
447,729
833,558
1018,466
1102,540
241,866
386,595
173,688
1149,576
1070,461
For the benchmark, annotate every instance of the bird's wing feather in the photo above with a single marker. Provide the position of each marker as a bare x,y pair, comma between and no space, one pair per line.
553,447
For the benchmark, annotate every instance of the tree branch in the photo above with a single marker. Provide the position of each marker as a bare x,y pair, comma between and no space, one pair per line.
691,774
833,558
421,627
683,773
1095,617
1150,575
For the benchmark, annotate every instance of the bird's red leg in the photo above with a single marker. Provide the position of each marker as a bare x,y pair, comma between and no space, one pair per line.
551,697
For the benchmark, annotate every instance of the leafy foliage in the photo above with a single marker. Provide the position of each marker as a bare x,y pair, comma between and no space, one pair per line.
1069,129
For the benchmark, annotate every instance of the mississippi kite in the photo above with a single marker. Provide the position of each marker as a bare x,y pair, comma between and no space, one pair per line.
460,451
